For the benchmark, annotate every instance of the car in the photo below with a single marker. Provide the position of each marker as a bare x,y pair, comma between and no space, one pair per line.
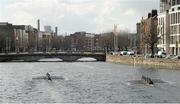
161,54
114,53
130,53
123,53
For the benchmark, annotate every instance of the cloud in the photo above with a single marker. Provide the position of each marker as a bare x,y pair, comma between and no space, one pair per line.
130,12
105,15
77,15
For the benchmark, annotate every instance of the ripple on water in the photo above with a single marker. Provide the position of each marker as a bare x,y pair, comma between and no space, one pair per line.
87,82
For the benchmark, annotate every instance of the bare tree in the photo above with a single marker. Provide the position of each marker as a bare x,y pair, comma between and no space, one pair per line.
150,34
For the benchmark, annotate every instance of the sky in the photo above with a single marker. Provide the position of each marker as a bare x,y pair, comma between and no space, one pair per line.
93,16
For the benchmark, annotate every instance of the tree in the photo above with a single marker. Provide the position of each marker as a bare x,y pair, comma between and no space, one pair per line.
150,33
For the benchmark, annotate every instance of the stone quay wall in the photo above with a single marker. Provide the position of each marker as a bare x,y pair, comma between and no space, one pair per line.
152,62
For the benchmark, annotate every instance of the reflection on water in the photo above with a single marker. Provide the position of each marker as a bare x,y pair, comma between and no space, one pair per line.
50,60
87,59
90,82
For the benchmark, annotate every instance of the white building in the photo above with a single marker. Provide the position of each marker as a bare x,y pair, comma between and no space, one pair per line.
163,28
175,27
169,26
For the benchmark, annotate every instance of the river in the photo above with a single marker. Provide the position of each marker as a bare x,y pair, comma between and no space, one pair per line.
85,82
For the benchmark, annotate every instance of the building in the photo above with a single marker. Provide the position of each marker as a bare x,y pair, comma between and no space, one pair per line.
78,41
164,26
89,42
97,42
132,38
150,32
174,13
164,5
169,26
140,32
26,38
32,38
147,34
21,38
82,41
7,38
47,29
47,41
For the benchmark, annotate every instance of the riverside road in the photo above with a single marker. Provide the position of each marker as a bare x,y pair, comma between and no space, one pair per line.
85,82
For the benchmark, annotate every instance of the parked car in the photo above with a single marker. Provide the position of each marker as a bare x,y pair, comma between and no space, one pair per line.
130,53
161,54
114,53
123,53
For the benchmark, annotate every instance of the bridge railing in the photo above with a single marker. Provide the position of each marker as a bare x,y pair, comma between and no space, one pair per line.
60,52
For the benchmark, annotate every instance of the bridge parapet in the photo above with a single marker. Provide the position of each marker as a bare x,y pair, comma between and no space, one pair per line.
64,56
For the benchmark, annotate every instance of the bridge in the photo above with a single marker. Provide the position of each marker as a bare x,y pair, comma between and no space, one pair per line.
35,57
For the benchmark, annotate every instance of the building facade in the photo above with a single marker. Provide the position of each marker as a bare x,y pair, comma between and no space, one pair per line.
21,38
6,37
147,34
169,26
174,13
89,42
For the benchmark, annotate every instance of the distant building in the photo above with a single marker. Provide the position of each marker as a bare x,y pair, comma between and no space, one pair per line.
147,33
21,38
132,38
89,42
47,41
140,32
97,44
78,41
47,29
7,38
82,41
32,38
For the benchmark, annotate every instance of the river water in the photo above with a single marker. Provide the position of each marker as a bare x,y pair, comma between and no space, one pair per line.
85,82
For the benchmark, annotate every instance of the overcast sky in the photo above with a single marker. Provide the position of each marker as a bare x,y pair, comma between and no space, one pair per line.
93,16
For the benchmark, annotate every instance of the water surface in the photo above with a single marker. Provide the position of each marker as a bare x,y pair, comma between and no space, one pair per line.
85,82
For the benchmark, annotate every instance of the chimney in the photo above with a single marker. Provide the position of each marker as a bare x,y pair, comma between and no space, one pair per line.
154,13
38,24
149,15
56,30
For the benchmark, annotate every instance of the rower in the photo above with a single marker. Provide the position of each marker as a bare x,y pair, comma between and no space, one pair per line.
48,76
147,80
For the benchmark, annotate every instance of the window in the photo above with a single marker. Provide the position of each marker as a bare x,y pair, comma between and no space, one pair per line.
173,2
179,17
175,18
178,8
171,30
171,19
172,9
178,1
175,30
172,39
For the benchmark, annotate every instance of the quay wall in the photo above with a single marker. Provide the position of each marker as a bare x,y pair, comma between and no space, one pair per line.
152,62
